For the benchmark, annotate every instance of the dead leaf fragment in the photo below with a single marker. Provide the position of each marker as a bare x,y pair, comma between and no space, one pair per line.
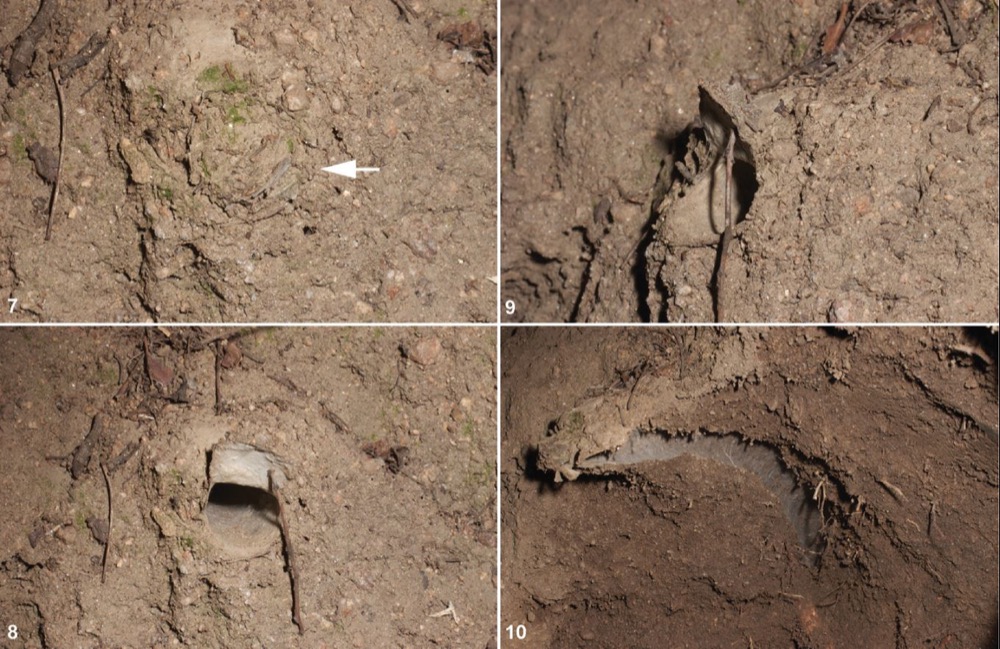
835,32
46,162
464,35
918,32
232,355
395,457
99,528
157,371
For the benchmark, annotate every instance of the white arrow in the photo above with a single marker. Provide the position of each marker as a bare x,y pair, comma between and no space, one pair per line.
349,169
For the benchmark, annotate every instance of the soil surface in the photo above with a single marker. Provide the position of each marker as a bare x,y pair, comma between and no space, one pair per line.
191,187
875,159
891,435
388,441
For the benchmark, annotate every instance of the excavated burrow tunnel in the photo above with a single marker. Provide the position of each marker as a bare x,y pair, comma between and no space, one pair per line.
801,503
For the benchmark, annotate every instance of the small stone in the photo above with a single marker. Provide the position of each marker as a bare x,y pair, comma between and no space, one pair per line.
658,47
66,534
296,98
840,311
284,40
390,129
336,104
167,526
446,71
311,36
425,351
140,171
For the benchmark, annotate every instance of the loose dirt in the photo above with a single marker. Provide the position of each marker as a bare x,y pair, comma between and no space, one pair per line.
191,187
386,438
890,435
877,164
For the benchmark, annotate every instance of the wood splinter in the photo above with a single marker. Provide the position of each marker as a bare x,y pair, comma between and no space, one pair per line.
107,539
62,138
218,379
286,539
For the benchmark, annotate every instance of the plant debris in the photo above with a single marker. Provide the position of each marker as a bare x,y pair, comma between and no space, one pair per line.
81,456
24,51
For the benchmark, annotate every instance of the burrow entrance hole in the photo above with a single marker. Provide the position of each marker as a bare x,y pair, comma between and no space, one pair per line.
243,519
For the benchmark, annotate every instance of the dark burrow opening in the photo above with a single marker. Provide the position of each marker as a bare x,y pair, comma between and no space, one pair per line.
243,519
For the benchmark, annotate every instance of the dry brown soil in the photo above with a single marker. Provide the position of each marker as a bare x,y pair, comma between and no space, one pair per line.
878,172
383,538
892,433
191,188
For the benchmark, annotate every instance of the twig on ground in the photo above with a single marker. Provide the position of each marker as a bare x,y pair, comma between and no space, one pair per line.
896,492
123,457
405,10
218,377
450,610
791,595
955,30
107,541
228,336
334,418
62,138
286,538
90,49
288,384
830,51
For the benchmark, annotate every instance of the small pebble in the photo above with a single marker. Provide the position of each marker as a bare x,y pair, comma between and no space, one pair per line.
311,36
284,40
446,71
840,311
296,98
425,351
658,47
66,534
